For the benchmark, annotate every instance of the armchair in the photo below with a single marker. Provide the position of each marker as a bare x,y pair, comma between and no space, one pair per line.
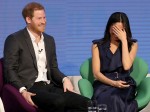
140,70
12,99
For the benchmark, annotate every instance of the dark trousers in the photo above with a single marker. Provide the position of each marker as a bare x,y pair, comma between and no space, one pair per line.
52,99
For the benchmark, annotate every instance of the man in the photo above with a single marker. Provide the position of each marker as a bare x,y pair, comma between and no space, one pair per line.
31,66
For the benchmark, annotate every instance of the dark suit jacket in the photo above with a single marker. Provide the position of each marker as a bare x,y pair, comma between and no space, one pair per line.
20,64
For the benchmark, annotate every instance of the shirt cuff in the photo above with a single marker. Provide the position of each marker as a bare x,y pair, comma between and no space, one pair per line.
64,79
21,89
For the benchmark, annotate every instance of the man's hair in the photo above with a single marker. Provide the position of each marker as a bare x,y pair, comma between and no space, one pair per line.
29,9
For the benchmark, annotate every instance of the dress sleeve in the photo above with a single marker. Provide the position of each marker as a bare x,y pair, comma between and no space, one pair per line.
97,41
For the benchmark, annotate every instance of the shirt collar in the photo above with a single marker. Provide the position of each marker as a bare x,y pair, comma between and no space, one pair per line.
33,37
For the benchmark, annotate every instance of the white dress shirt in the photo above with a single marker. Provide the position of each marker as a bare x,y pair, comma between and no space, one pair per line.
39,49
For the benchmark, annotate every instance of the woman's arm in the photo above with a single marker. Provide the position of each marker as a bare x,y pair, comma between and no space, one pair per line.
128,57
96,70
96,67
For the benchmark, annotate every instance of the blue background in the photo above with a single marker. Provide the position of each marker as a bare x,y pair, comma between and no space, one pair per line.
75,23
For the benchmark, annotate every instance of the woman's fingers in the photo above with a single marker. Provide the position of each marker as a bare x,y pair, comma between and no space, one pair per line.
122,84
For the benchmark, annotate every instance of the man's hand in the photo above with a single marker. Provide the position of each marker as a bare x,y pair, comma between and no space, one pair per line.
67,85
27,95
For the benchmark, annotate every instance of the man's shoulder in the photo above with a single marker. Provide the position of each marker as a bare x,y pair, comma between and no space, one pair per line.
47,35
17,33
15,38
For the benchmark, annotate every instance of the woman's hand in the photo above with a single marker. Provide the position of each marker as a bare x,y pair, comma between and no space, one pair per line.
120,33
121,84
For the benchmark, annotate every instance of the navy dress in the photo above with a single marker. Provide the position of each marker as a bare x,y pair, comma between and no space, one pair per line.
116,99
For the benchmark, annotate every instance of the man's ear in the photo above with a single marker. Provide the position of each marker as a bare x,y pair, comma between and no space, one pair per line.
28,20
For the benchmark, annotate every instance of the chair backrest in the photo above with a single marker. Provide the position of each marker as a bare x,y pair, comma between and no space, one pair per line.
1,76
86,70
140,70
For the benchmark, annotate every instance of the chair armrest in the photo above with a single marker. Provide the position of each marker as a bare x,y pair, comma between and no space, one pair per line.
86,88
143,95
1,106
12,99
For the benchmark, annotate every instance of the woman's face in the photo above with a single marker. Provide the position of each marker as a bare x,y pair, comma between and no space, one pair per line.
118,25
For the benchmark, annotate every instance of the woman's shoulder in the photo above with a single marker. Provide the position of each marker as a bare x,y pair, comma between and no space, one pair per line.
134,40
97,41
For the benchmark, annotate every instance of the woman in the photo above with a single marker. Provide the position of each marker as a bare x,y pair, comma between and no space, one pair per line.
112,59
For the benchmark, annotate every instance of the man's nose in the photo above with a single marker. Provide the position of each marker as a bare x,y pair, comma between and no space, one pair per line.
43,20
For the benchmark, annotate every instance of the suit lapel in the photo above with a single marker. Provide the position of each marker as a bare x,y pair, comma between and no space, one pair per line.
47,50
48,56
30,46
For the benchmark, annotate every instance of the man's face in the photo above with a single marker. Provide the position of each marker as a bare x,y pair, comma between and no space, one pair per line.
38,22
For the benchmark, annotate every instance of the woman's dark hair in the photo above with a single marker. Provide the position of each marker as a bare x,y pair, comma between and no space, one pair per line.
118,17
